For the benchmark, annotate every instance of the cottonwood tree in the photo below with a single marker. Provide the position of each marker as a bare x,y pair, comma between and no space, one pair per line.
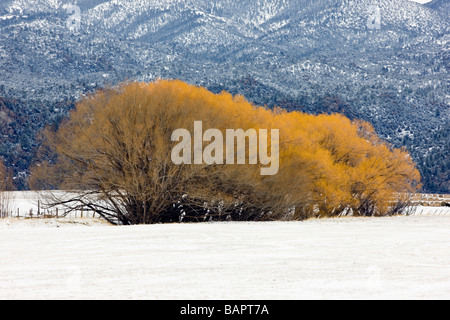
114,156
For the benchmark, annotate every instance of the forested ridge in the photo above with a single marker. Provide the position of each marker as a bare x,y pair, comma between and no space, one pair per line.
317,57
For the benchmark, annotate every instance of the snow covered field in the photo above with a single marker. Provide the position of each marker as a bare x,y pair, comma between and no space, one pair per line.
405,257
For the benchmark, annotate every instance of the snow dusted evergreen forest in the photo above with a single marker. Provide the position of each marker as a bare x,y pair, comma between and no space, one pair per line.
314,56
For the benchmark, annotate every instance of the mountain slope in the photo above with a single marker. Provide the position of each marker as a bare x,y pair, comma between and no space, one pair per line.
316,56
441,6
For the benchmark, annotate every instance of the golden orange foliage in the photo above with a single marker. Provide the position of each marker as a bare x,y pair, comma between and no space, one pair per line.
116,148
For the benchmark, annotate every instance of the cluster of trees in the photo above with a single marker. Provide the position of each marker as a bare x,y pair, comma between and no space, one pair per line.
113,156
6,186
20,122
434,163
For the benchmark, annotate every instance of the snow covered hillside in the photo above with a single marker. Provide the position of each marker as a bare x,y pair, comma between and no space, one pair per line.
316,56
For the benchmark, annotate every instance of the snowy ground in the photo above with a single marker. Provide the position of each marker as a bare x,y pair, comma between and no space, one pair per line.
346,258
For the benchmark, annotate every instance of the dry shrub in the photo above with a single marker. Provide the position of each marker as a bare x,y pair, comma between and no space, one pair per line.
115,152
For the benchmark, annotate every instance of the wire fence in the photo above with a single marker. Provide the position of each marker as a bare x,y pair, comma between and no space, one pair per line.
26,205
33,205
39,212
434,211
